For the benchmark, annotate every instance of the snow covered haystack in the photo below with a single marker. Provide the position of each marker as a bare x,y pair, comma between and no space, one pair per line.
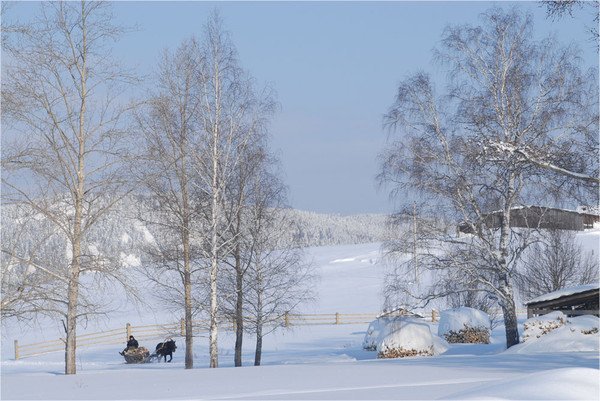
465,325
556,332
404,337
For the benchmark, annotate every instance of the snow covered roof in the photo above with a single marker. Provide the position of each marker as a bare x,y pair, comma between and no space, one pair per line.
594,210
563,293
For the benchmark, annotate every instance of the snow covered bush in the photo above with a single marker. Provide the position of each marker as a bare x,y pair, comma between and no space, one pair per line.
556,332
404,337
540,325
465,325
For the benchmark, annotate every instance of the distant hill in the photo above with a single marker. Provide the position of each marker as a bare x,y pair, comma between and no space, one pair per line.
318,229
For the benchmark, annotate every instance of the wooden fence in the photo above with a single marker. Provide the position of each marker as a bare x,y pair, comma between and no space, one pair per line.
161,331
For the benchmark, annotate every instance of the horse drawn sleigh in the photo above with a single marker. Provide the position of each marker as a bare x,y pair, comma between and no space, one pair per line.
135,354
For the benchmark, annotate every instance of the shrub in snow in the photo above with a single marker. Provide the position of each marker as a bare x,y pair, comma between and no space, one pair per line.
586,324
555,332
404,337
465,325
540,325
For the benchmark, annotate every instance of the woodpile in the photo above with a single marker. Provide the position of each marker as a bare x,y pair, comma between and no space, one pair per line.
469,335
402,353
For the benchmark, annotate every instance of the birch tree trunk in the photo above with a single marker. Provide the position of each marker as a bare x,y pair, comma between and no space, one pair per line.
215,216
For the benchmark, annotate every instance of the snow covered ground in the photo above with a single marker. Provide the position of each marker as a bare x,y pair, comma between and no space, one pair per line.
308,362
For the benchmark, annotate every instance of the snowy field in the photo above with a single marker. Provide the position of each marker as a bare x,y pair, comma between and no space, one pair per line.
310,362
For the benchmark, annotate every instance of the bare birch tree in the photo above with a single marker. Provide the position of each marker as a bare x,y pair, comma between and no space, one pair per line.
506,92
169,125
278,279
231,110
67,138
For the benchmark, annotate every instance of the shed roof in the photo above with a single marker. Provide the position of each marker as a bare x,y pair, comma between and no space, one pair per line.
563,293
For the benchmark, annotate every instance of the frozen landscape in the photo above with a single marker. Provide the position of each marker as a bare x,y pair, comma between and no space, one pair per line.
313,362
206,173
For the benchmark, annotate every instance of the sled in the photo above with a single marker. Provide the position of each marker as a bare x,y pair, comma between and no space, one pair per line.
138,355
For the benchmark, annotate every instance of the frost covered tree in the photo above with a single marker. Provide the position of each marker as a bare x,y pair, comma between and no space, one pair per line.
255,162
63,139
464,152
169,124
230,112
278,277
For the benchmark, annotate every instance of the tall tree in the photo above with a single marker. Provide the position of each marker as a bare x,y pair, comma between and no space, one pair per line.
231,111
169,124
254,161
278,279
506,91
67,132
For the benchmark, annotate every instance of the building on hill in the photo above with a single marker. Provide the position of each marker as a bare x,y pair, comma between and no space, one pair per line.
540,217
572,301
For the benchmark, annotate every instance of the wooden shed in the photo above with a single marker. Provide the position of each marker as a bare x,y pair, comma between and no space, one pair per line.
539,217
573,301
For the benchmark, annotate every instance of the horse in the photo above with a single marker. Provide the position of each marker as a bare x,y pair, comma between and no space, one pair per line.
165,348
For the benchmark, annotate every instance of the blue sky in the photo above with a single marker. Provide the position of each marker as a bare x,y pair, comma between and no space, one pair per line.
334,66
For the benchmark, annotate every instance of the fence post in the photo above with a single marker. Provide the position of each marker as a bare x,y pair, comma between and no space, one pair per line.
337,318
286,319
182,327
434,315
16,350
128,331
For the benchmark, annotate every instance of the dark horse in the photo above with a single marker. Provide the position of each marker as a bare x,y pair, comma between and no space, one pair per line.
164,349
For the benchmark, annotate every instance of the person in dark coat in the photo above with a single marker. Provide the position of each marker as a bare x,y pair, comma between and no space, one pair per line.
131,345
